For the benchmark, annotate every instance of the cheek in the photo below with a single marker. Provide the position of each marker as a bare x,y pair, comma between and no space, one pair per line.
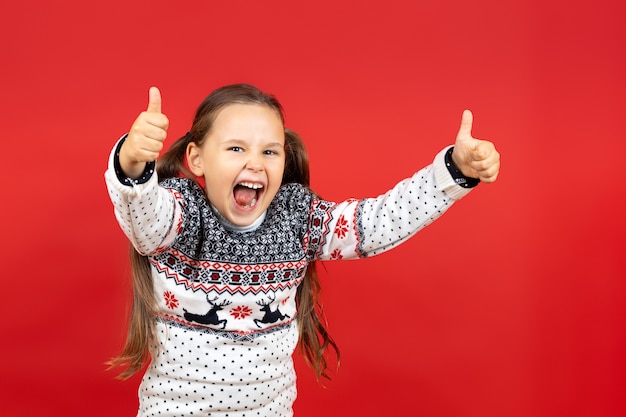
275,175
279,168
217,171
217,188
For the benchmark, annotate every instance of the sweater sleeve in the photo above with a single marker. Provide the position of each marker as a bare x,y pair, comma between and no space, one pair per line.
360,228
145,211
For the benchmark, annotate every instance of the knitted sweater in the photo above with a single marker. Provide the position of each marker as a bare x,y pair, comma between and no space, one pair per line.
226,322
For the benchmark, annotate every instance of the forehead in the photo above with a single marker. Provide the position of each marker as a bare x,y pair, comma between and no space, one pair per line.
248,117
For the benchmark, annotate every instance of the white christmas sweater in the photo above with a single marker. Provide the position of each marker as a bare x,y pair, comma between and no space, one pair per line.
226,322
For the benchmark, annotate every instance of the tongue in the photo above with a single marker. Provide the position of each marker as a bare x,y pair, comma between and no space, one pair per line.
244,195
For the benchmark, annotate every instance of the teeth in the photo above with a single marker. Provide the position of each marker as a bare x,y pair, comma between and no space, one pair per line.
251,185
252,203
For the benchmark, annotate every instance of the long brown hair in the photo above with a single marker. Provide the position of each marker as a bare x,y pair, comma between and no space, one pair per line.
314,338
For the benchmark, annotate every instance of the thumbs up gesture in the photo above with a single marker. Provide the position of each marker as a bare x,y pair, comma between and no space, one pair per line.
475,158
145,138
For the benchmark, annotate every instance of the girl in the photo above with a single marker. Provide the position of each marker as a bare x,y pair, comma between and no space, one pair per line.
224,238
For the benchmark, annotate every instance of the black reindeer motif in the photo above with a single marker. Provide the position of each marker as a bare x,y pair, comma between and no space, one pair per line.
210,317
269,316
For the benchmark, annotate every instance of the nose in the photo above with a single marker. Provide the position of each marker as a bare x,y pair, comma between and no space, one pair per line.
254,163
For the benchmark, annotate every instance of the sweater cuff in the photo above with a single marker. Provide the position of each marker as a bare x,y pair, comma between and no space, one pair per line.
145,176
457,175
118,180
445,179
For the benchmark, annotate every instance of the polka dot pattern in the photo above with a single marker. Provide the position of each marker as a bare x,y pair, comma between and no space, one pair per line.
367,227
198,373
403,211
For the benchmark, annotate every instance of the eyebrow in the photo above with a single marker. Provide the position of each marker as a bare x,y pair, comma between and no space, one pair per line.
243,142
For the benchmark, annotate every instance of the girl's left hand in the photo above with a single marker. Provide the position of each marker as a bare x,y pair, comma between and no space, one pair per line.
475,158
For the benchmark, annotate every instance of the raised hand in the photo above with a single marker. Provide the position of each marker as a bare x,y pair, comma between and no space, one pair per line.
145,138
475,158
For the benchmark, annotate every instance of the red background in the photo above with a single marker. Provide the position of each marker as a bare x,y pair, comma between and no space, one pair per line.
512,304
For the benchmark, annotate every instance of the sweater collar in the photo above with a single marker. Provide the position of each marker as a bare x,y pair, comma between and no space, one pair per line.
234,228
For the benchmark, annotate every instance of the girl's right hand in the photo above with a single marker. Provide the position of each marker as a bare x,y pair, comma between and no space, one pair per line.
145,138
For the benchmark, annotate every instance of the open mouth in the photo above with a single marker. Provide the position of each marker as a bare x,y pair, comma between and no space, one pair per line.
247,194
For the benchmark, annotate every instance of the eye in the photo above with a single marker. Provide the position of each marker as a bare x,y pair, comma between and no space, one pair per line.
236,149
273,151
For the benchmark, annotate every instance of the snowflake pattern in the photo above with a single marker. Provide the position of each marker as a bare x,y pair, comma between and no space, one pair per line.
170,300
336,255
203,238
241,312
341,230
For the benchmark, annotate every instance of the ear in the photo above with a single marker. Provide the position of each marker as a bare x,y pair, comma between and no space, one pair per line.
194,159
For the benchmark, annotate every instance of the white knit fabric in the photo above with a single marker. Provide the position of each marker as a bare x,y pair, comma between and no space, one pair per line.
227,324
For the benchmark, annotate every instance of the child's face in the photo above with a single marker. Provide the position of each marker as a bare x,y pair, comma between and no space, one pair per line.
242,161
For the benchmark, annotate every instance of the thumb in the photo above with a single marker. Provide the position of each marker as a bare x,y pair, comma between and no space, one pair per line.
154,100
466,125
